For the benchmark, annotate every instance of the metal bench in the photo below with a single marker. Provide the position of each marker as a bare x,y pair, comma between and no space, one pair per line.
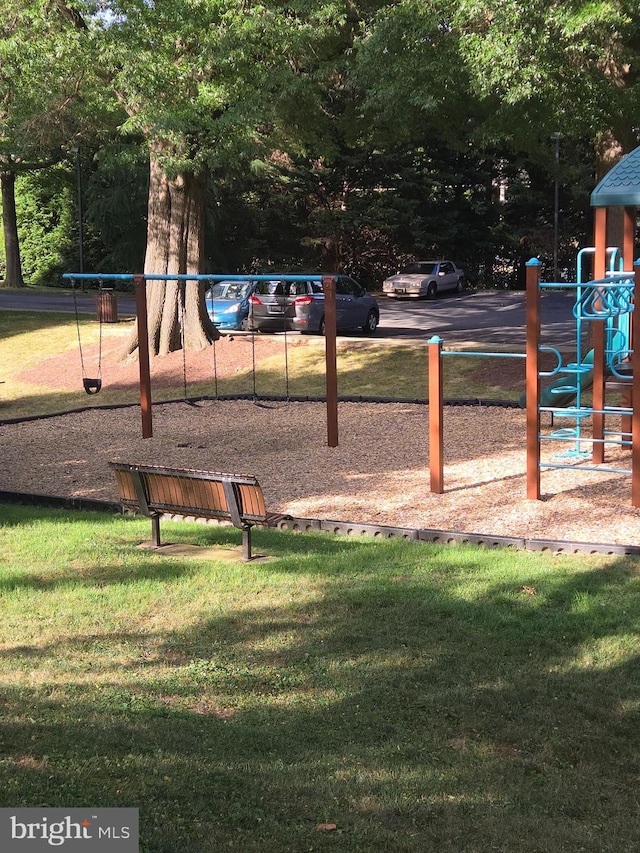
153,491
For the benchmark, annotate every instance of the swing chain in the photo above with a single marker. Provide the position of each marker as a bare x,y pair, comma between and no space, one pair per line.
90,385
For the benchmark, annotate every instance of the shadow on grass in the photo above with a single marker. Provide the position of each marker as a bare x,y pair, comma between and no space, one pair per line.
416,704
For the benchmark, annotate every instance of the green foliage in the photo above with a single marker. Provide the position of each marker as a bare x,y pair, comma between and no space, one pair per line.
366,210
114,208
40,68
334,135
566,65
209,80
408,68
46,206
116,189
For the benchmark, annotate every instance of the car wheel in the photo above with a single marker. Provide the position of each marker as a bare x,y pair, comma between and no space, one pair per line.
372,323
460,285
432,290
321,327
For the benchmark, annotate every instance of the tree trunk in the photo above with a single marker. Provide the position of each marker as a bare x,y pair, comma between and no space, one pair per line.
13,276
177,316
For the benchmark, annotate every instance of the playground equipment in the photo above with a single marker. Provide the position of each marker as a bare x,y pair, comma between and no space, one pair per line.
606,304
140,281
610,300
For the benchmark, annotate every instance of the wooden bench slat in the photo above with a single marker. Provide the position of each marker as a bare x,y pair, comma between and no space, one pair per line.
154,490
252,500
125,485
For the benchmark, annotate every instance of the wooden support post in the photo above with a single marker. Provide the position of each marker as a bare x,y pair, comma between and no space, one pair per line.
436,429
598,339
630,214
635,398
532,379
626,421
629,238
330,327
143,355
628,253
598,393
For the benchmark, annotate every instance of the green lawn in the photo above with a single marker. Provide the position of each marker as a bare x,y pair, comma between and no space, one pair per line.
415,698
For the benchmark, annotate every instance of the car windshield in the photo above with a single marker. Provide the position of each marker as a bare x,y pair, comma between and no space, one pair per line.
420,268
230,290
281,288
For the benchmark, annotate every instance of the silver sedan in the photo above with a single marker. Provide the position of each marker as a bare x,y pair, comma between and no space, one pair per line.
425,278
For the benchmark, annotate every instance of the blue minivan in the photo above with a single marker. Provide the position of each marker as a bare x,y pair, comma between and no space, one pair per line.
227,304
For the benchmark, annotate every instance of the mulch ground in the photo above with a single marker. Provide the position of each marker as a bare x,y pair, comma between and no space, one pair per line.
379,473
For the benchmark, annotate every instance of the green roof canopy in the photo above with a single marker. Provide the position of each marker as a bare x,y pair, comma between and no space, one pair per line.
620,187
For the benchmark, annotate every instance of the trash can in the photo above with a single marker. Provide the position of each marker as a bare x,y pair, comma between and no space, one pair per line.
107,306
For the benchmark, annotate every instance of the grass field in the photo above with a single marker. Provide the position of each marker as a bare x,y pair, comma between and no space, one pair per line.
358,696
347,695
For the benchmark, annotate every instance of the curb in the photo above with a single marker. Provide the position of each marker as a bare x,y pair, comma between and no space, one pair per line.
344,528
269,398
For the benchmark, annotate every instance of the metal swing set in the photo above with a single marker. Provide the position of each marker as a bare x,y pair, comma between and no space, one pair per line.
93,385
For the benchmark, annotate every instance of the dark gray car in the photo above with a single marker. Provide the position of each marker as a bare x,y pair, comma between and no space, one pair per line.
299,306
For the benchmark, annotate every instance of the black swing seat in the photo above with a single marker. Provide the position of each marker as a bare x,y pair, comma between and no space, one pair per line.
92,386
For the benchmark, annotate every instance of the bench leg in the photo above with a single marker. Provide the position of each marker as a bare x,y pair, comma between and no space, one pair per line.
246,543
155,530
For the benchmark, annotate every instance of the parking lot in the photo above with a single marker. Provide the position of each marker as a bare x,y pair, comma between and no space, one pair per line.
494,319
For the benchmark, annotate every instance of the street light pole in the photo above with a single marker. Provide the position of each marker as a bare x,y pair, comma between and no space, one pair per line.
556,138
76,151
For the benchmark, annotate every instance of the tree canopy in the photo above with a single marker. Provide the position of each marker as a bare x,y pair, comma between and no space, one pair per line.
336,135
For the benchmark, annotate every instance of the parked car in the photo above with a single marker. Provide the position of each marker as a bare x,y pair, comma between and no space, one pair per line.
299,306
425,278
228,304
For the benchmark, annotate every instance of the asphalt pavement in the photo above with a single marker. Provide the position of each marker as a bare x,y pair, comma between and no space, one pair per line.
487,319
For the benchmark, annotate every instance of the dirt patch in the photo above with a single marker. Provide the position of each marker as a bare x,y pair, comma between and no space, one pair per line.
231,354
508,374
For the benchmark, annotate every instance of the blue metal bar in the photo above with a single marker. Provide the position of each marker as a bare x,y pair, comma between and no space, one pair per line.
547,373
610,279
85,276
596,468
181,277
570,434
486,354
576,412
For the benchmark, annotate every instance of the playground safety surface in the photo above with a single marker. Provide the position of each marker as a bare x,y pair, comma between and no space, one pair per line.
378,475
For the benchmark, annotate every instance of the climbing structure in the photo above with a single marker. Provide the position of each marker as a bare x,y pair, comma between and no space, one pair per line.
606,304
